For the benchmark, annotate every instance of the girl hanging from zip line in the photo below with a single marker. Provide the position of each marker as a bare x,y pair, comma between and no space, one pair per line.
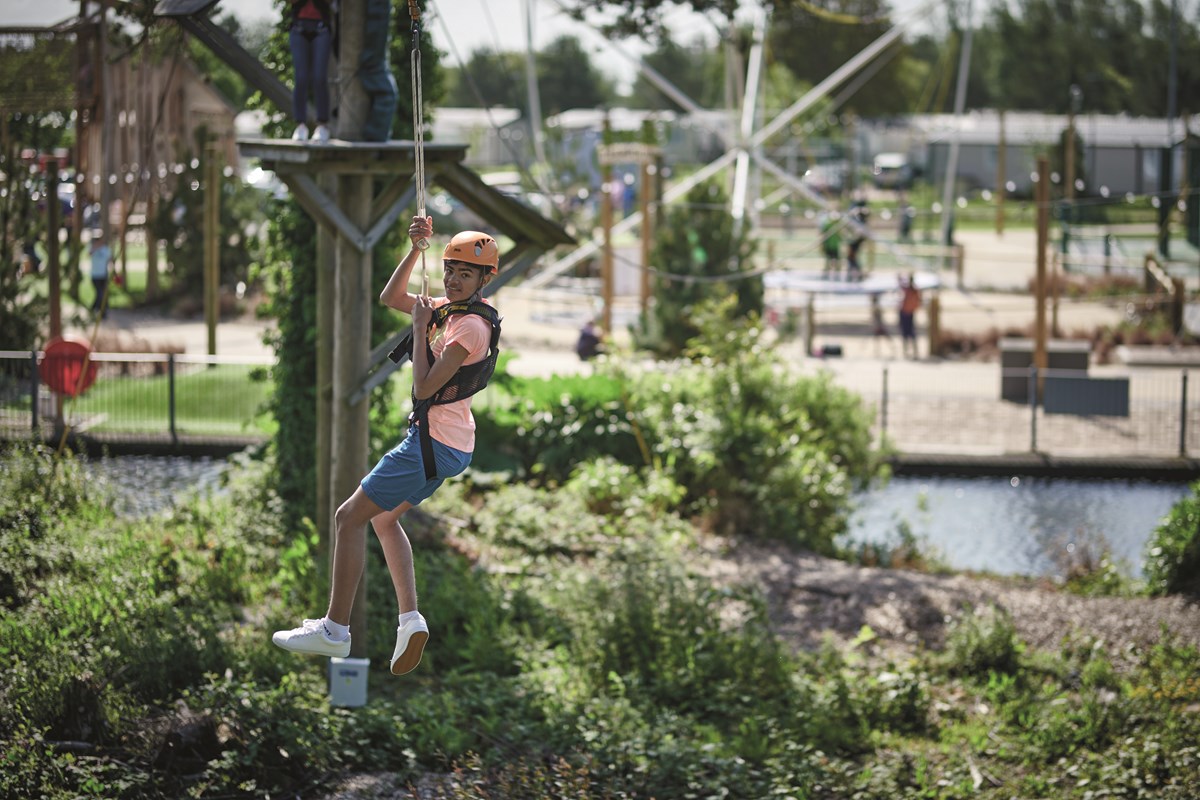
454,343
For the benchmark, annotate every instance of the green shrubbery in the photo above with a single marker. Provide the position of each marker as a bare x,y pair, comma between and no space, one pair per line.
754,449
577,652
1172,563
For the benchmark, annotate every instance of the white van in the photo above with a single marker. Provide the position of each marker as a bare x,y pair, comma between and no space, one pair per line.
892,171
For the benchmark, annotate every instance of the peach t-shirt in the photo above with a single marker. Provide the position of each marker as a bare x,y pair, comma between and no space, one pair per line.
452,424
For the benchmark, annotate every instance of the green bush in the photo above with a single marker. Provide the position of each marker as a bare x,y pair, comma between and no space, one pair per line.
543,428
613,489
1172,561
982,641
765,452
38,493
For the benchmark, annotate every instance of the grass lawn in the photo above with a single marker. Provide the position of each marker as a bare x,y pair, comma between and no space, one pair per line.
220,400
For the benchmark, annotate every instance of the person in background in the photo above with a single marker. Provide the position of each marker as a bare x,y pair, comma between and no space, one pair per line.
101,255
859,214
591,341
907,215
32,262
310,37
831,243
910,301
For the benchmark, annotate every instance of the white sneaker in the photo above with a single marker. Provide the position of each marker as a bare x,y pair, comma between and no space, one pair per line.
410,644
301,133
312,638
321,134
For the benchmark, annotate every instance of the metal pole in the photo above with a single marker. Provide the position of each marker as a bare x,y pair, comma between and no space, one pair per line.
1183,416
960,99
1001,176
883,405
33,390
171,397
531,89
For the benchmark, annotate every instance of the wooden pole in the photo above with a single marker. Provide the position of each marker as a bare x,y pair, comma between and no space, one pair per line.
326,268
934,313
151,242
647,233
352,293
107,169
82,103
212,242
1042,194
1001,176
52,226
810,324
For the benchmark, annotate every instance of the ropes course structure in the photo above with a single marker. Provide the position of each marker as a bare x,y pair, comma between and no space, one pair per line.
747,146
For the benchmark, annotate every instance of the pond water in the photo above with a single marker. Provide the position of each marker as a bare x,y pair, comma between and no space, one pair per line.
1008,526
144,485
1017,526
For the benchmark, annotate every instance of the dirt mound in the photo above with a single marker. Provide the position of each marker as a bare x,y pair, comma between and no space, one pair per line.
810,598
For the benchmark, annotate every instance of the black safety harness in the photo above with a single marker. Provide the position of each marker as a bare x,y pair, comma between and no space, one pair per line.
468,380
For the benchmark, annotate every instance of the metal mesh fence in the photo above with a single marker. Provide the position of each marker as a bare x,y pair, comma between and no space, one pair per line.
153,397
962,409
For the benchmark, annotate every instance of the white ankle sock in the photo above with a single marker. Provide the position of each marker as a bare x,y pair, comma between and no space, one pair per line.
408,616
334,631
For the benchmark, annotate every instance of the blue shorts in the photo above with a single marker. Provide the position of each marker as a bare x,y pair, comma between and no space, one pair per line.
399,477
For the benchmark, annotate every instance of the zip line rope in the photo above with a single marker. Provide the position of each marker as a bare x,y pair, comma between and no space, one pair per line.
418,102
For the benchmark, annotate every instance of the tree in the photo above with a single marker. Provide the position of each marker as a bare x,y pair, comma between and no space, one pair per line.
814,44
567,79
697,70
699,241
489,80
1116,52
565,75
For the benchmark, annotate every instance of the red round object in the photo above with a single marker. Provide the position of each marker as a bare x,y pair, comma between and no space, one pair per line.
62,367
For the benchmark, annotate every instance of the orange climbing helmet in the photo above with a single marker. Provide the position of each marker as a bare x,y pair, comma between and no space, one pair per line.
476,248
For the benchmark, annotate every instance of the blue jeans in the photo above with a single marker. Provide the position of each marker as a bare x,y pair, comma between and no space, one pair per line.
310,41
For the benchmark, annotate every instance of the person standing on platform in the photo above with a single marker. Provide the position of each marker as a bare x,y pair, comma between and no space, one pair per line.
310,38
859,213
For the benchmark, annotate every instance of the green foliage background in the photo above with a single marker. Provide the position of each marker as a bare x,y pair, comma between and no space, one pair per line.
1172,561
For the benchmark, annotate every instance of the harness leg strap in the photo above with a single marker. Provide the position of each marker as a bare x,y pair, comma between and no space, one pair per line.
427,456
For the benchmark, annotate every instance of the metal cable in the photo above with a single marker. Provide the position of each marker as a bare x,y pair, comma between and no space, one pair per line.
418,102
